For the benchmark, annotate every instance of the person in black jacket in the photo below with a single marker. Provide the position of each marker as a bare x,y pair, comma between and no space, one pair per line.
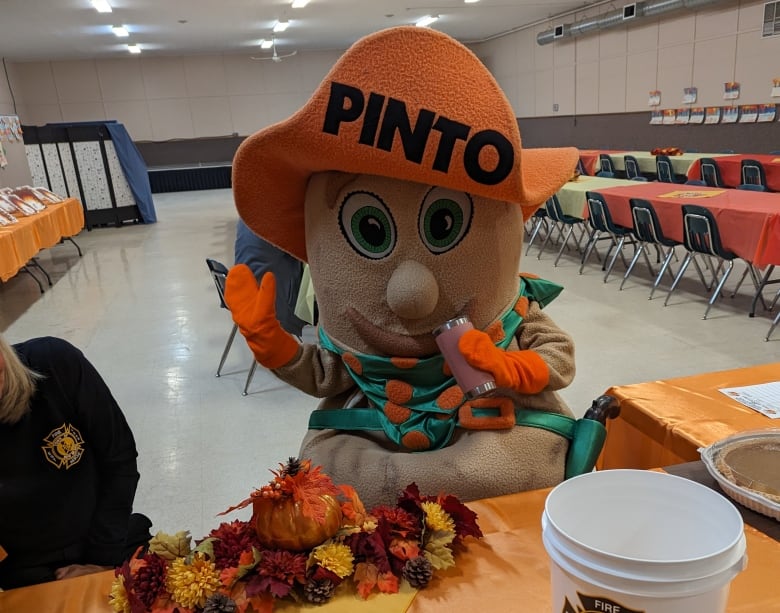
68,471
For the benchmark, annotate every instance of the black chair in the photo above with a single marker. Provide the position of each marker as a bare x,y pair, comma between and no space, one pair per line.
664,169
606,167
632,168
710,172
561,221
752,173
581,167
695,182
702,237
219,274
647,230
537,220
600,220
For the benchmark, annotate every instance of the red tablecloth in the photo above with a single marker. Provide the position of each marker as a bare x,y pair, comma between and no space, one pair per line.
730,167
749,222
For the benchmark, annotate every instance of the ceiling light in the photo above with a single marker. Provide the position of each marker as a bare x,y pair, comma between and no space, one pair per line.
101,6
134,48
266,44
424,22
470,1
281,26
299,4
120,31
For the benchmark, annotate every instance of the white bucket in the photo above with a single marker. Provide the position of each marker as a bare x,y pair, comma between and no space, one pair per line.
624,541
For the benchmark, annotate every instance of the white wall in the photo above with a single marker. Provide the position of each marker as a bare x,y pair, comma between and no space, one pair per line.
162,98
612,71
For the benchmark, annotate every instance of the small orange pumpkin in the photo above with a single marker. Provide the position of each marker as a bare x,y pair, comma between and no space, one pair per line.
281,523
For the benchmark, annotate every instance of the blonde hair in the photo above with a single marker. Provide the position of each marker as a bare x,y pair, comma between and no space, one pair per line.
18,386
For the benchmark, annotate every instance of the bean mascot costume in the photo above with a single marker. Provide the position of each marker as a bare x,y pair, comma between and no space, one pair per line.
403,183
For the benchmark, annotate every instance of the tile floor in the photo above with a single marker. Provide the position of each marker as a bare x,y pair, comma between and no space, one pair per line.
141,305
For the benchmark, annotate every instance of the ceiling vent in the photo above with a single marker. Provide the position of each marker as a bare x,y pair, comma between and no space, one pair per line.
639,10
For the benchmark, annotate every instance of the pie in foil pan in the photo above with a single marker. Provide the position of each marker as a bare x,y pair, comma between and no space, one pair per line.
747,468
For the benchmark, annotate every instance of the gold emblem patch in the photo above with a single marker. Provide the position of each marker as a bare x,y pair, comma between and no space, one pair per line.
64,446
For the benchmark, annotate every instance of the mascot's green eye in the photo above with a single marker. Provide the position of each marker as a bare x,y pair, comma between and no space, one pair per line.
445,217
367,224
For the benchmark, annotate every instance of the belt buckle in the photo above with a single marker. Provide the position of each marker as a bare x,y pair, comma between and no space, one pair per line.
503,421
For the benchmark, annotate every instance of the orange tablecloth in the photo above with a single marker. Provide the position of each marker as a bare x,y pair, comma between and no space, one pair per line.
730,167
506,571
665,422
749,222
22,241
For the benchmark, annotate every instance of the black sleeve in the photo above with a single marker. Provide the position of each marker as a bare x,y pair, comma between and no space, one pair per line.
107,432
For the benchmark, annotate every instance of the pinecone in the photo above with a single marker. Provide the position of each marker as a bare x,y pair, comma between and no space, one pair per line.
219,603
292,467
418,572
149,580
319,592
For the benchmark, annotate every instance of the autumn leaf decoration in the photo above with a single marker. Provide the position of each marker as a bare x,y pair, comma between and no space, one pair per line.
236,568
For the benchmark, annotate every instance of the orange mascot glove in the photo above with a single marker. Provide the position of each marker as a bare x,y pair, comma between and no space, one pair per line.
523,371
253,309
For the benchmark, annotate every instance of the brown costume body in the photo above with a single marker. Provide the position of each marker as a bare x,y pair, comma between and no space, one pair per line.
407,172
477,463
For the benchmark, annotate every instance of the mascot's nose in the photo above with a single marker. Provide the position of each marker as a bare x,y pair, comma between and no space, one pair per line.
412,291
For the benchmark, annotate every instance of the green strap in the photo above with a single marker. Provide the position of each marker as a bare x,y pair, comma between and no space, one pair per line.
369,419
586,435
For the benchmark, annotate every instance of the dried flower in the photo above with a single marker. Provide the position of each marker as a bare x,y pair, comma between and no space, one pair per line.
277,572
118,597
191,584
436,518
335,557
230,541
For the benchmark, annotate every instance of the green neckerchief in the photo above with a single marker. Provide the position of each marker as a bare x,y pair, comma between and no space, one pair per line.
427,377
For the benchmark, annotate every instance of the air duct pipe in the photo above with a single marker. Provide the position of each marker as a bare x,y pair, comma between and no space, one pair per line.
630,12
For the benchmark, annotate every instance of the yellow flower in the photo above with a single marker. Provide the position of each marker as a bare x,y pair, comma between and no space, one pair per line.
335,557
437,518
118,598
191,584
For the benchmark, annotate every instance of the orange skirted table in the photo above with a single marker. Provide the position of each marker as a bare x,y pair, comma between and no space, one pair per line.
748,222
22,241
665,422
730,167
506,571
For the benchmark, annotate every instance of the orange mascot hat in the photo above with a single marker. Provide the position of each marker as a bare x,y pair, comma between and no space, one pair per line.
408,103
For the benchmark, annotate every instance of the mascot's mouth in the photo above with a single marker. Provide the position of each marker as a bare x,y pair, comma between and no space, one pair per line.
394,344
